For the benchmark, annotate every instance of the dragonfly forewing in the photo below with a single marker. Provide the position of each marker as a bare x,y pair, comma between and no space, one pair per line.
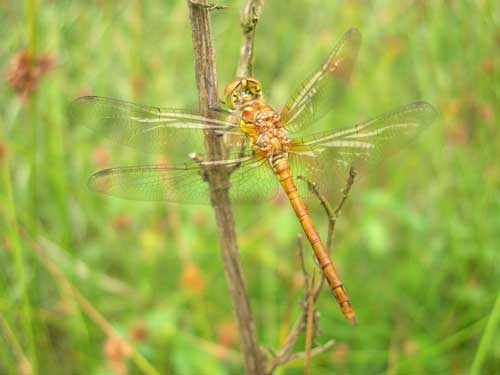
151,129
323,89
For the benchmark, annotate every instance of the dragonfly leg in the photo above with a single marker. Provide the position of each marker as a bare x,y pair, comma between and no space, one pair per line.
221,110
225,112
241,154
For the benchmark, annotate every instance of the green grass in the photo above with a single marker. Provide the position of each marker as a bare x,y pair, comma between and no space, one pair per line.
417,244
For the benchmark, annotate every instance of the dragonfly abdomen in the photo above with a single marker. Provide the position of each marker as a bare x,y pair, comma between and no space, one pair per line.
282,170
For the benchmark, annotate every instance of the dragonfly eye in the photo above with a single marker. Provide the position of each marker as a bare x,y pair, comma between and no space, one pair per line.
241,89
254,88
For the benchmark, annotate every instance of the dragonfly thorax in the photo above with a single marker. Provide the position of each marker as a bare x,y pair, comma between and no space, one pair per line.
272,142
263,125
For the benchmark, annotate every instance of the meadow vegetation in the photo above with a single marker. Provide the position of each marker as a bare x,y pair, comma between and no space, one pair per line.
418,242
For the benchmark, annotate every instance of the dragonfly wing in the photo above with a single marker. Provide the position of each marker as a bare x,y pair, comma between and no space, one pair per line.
254,182
182,183
317,95
150,129
328,173
251,180
323,157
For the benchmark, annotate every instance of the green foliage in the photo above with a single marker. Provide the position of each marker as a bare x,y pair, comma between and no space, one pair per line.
417,244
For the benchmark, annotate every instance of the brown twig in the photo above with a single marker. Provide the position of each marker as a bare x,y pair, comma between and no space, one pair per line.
309,324
248,19
336,213
218,181
300,355
315,351
300,251
207,6
285,354
287,348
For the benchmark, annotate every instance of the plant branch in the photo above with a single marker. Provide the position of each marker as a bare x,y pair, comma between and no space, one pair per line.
248,19
207,6
285,354
309,324
218,181
336,213
300,251
315,351
280,361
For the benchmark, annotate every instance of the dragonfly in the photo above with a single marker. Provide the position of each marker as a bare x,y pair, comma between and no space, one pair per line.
264,148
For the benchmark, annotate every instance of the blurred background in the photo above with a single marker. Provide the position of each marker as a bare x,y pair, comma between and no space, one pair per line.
417,243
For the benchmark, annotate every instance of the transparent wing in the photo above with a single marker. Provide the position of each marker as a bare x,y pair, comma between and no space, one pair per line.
181,183
150,129
326,158
318,94
254,182
251,180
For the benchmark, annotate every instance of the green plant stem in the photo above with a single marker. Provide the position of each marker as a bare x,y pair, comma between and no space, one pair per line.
19,262
487,339
95,315
30,6
30,23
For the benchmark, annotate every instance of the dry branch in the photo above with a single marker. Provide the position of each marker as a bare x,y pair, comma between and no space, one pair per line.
249,18
315,351
207,6
218,181
309,324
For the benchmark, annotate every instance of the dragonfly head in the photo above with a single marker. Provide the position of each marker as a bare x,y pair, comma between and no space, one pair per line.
240,90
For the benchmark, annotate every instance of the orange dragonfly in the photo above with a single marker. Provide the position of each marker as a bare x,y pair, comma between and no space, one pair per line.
263,150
